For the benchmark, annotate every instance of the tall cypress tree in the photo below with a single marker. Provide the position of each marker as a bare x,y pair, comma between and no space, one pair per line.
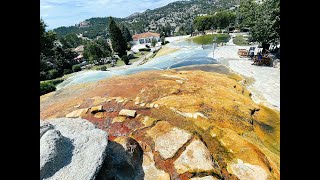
118,42
126,33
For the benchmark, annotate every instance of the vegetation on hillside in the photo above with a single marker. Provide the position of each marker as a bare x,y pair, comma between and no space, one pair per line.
54,58
173,19
96,27
219,20
71,40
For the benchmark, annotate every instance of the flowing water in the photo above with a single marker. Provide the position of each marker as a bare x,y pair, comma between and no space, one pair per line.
189,53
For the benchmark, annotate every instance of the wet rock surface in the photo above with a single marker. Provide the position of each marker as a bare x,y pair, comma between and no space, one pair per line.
187,125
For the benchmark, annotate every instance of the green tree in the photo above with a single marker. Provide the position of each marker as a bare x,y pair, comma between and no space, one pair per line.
263,20
46,40
117,40
221,19
94,51
54,59
125,59
71,40
247,13
153,42
126,33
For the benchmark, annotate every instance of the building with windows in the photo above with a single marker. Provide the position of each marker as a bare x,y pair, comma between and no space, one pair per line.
145,38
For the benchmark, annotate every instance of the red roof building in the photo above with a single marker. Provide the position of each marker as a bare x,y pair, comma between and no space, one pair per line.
145,37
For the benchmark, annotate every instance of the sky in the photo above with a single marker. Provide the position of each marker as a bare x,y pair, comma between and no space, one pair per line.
56,13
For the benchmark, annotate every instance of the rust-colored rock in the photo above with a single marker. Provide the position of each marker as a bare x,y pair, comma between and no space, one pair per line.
214,107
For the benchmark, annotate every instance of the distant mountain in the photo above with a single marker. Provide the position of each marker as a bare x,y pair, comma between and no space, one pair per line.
90,28
177,17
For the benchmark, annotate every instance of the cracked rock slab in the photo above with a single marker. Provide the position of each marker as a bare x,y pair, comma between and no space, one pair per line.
196,158
168,139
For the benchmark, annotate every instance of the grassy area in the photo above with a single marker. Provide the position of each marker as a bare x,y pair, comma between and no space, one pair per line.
119,62
208,39
240,41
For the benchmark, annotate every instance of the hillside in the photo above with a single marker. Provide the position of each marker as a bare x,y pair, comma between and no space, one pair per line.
176,18
90,28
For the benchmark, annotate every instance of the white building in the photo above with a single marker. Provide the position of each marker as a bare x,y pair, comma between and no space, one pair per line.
145,38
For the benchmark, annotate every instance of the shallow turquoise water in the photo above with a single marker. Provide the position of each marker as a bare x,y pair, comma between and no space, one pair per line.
189,54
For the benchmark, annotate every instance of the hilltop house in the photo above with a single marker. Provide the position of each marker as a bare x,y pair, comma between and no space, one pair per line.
146,37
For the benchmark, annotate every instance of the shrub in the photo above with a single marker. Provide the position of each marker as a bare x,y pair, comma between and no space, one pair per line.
43,75
67,71
103,68
55,81
46,87
219,31
129,46
144,49
76,68
239,40
162,43
53,73
125,59
166,42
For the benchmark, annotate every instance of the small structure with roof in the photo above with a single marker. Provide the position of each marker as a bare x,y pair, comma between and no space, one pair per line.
146,37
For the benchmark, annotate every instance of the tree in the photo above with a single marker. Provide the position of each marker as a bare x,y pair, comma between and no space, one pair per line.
247,13
117,40
54,59
126,33
153,42
125,59
71,40
221,19
162,40
94,51
46,40
263,20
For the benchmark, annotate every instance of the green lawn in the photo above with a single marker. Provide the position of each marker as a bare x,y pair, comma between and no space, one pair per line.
240,41
208,39
119,62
